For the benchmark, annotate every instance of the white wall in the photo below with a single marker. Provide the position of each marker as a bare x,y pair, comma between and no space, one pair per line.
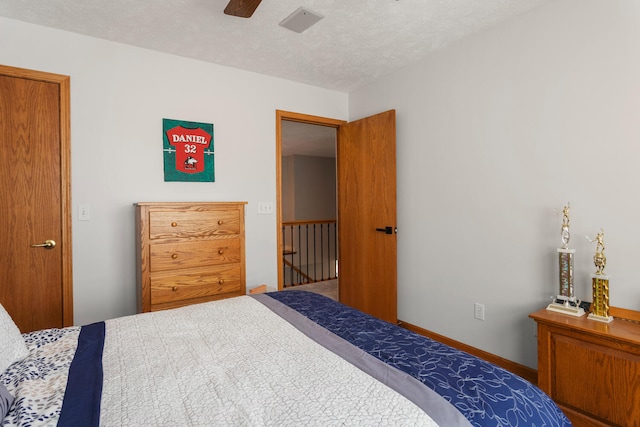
288,190
119,96
315,187
494,136
309,188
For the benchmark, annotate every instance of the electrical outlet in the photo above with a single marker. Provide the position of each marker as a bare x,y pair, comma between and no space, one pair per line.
478,311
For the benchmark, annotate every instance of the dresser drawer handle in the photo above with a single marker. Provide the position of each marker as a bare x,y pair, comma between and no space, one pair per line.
174,289
221,281
174,224
220,222
221,251
174,256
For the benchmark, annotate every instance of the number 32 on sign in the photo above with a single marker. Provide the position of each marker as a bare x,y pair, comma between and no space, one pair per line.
188,151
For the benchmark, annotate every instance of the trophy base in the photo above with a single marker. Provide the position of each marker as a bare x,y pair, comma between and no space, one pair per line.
605,319
566,309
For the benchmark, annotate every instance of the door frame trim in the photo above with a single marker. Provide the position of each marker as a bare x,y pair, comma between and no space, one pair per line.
63,83
301,118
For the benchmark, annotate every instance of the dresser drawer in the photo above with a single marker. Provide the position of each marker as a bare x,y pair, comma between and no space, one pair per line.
193,223
194,284
171,256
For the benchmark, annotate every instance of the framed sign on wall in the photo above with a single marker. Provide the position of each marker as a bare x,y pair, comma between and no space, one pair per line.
188,151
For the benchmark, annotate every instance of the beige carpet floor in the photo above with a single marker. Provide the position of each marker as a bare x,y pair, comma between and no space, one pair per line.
328,288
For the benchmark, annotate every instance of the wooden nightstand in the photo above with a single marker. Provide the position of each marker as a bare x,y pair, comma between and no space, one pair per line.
189,253
591,369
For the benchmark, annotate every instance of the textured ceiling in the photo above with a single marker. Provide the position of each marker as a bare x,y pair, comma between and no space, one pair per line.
305,139
356,42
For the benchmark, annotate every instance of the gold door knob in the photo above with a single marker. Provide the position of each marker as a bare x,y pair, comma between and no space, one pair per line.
221,251
174,224
220,222
174,256
48,244
174,289
221,281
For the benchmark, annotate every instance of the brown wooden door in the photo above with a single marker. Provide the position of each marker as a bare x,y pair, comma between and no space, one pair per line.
366,202
35,282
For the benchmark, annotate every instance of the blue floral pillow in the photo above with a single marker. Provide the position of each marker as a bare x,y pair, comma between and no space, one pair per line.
5,401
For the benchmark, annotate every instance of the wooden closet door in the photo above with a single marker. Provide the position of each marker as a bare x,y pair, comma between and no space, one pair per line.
35,281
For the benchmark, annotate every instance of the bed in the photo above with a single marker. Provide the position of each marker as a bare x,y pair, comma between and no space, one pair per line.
282,358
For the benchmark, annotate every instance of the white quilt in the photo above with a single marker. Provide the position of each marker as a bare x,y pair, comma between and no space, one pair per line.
236,363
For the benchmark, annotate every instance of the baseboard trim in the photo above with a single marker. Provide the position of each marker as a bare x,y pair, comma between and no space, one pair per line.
525,372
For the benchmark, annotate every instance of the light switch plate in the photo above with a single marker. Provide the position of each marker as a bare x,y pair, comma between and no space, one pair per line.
265,208
83,213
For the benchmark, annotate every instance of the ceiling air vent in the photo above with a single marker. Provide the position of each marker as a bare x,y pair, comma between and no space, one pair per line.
300,20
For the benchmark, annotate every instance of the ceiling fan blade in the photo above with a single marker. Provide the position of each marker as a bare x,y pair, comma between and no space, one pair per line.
242,8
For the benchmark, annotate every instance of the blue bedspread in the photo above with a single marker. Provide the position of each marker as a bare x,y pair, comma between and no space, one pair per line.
486,394
81,404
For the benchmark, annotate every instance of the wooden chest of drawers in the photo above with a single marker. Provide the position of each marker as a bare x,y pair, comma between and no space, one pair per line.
189,253
591,369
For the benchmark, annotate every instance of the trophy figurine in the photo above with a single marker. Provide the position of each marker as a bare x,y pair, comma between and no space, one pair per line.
600,283
566,302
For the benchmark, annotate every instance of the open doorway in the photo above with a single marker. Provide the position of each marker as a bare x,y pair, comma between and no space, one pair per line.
307,203
366,192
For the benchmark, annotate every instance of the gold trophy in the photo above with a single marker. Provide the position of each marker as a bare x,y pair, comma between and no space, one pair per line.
600,284
566,302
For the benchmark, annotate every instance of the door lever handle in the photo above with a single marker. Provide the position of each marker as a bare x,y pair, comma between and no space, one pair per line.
388,230
48,244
